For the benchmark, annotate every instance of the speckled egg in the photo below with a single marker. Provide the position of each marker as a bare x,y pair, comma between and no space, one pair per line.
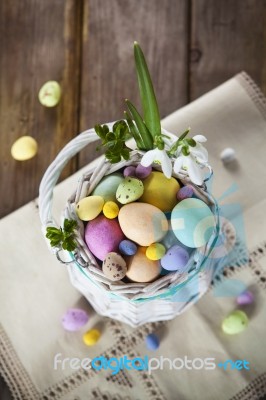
143,223
110,210
89,207
114,267
236,322
155,251
128,248
108,186
143,172
175,259
160,191
131,189
192,222
103,236
74,319
141,269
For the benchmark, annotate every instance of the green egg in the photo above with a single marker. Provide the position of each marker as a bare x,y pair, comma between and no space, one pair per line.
235,322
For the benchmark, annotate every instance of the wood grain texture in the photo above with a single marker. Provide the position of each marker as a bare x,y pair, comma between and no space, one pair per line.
108,72
38,42
226,37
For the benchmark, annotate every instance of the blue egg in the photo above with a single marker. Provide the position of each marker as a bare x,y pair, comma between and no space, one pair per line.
152,341
128,248
192,222
175,259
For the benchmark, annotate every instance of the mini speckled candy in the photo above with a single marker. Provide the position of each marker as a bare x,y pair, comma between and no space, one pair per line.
152,341
24,148
110,209
74,319
50,94
129,171
244,298
185,192
228,155
91,337
114,267
155,251
131,189
143,172
175,259
128,248
235,322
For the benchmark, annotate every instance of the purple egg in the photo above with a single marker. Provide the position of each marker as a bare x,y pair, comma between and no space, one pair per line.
143,172
103,236
185,192
129,171
74,319
244,298
175,259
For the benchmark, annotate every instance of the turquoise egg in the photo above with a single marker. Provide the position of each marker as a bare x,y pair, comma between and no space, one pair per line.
192,222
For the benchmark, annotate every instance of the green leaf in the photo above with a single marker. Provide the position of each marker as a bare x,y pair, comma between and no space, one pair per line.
142,128
70,225
184,135
134,132
151,114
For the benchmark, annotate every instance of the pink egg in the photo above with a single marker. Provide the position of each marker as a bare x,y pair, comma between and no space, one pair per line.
244,298
74,319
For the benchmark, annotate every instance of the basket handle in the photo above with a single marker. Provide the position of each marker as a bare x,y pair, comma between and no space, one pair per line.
54,170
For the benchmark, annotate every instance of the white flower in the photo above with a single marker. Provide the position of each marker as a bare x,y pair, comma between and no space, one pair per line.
159,156
199,151
193,169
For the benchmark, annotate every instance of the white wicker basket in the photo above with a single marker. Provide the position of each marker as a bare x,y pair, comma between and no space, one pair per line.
132,303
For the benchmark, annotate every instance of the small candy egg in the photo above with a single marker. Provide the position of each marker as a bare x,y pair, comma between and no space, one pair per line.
185,192
235,322
49,94
128,248
131,189
244,298
228,155
91,337
74,319
155,251
89,208
143,172
24,148
152,341
141,269
110,209
114,266
175,259
129,171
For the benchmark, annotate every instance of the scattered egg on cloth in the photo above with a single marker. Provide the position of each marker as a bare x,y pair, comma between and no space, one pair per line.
236,322
24,148
192,222
114,266
91,337
131,189
228,155
103,236
141,269
110,209
74,319
128,248
107,187
246,297
152,341
175,259
89,207
143,223
50,94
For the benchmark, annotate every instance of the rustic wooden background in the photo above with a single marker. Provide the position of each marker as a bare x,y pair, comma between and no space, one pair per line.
86,45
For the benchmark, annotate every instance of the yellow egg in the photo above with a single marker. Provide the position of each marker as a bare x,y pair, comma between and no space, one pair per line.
50,94
110,209
89,208
91,337
24,148
155,251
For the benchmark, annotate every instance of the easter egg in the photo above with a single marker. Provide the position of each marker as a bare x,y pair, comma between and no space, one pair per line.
91,337
103,236
89,207
143,172
140,268
143,223
175,259
160,191
110,209
24,148
129,171
185,192
228,155
131,189
114,267
108,186
192,222
49,94
155,251
235,322
127,247
74,319
245,298
152,341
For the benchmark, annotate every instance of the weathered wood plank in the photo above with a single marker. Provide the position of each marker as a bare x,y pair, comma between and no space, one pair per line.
227,37
108,73
38,42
